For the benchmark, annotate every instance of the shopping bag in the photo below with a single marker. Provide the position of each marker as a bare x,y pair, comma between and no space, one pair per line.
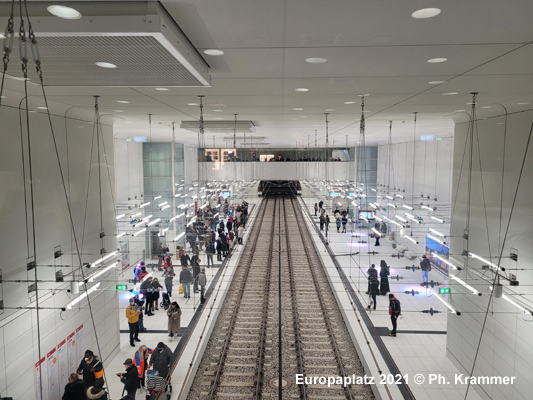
181,290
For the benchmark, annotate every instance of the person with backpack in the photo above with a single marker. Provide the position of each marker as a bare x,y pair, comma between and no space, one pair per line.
395,310
425,266
372,273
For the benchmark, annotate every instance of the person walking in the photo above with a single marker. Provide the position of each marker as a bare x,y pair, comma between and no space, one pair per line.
210,251
132,313
202,281
374,291
338,222
376,236
185,259
219,249
316,208
394,311
240,232
140,360
129,379
160,256
168,283
322,221
195,262
74,389
87,368
327,222
161,359
425,266
344,221
229,224
185,281
320,204
196,251
174,318
372,273
384,275
147,293
155,288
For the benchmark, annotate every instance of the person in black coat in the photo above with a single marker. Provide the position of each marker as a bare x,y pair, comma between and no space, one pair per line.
384,274
147,293
185,260
130,379
87,368
221,226
220,247
74,389
374,291
195,262
229,225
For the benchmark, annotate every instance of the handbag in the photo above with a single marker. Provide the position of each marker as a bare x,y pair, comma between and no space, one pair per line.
180,291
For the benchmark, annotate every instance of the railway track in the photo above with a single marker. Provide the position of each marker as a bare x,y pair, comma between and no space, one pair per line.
242,357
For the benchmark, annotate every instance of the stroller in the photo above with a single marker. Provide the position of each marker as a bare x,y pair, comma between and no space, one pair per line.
155,385
166,301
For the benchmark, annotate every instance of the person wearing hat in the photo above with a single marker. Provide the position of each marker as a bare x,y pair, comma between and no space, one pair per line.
86,368
161,359
425,266
97,392
130,379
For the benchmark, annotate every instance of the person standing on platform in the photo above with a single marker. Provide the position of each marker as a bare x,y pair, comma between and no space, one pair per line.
322,221
377,239
140,304
344,221
394,312
327,222
240,232
425,266
372,274
210,251
195,263
86,368
147,293
155,288
202,281
338,222
168,283
316,208
161,359
74,389
185,259
185,281
132,313
129,379
320,204
229,224
174,318
140,360
384,274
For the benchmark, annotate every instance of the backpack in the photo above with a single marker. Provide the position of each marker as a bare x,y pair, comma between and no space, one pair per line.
372,273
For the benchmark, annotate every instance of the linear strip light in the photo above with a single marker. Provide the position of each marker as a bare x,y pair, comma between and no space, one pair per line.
141,223
204,206
106,257
376,231
392,205
507,298
378,218
144,205
443,260
82,296
103,271
443,301
216,215
393,222
390,197
437,219
177,195
411,239
466,285
155,221
435,239
176,217
179,236
473,255
136,215
400,196
165,207
182,206
408,207
373,206
144,278
400,218
138,233
191,221
437,233
162,204
365,219
120,216
413,219
121,234
427,208
374,190
158,197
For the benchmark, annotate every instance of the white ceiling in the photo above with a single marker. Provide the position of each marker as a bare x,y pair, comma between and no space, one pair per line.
372,47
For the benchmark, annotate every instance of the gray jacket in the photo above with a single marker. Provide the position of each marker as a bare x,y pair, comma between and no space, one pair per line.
162,360
202,280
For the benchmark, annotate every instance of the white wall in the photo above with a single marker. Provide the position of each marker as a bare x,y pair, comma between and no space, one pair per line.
506,348
128,170
20,346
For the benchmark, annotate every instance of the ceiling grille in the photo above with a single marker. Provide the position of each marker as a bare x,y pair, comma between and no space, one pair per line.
142,61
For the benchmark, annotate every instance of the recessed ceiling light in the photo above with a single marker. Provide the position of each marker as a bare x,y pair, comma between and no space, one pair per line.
119,111
192,104
301,89
426,13
486,107
450,94
329,109
16,78
459,110
522,104
105,65
436,82
64,12
349,102
32,111
218,110
123,101
316,60
214,52
298,109
161,89
437,60
42,108
219,118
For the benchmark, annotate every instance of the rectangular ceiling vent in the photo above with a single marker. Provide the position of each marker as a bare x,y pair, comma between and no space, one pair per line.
219,126
140,38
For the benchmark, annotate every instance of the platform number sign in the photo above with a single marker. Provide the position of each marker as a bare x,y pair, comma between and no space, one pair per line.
444,290
122,287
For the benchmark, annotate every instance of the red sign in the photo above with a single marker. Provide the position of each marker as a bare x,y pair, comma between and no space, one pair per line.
195,208
79,329
70,336
61,344
39,363
49,354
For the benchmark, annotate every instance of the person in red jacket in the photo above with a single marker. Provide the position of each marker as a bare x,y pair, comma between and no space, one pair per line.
140,360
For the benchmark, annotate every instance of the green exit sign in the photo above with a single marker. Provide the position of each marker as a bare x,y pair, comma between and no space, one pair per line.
444,290
122,287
